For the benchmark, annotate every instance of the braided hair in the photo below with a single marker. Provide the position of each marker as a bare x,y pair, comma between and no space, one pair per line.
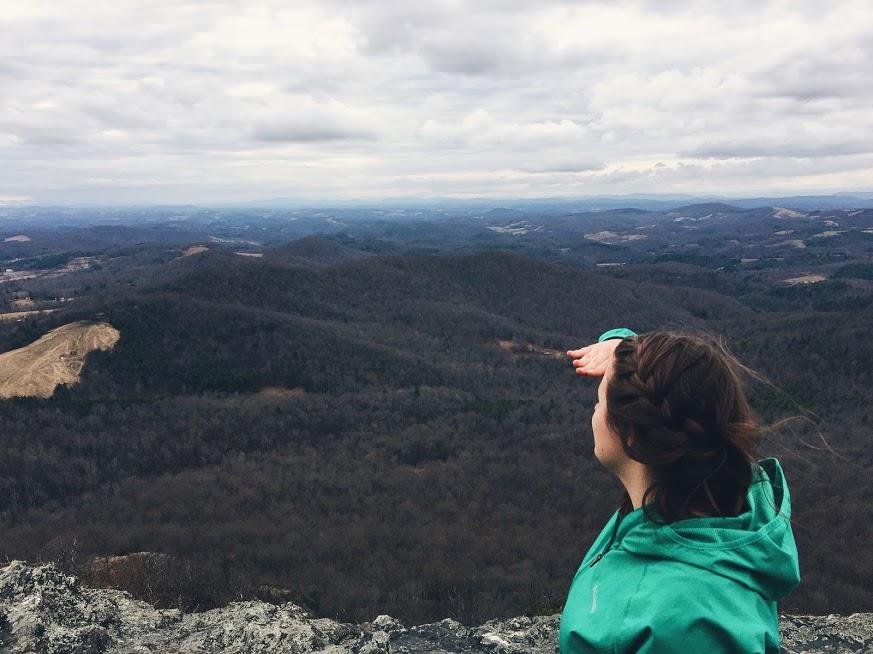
678,406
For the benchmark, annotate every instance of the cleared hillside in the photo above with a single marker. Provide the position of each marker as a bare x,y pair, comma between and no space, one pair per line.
56,358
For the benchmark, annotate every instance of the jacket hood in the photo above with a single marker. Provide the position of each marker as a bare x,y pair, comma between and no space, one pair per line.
755,549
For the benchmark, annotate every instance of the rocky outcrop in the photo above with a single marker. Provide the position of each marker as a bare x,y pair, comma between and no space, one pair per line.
44,610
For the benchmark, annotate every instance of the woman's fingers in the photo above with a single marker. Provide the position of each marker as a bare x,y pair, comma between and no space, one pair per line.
590,359
590,371
575,354
593,364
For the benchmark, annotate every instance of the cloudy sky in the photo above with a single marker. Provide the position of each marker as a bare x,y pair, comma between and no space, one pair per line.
177,101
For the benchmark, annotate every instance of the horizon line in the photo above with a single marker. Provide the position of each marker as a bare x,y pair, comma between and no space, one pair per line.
325,201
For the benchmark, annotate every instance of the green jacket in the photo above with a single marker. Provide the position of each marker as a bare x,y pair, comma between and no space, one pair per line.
706,584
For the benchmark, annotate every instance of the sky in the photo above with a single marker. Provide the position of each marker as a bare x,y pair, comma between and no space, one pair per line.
153,101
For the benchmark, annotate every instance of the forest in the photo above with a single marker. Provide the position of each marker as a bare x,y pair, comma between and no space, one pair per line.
394,427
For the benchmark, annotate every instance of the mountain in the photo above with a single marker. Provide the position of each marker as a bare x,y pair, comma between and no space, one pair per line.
400,430
706,208
415,315
315,250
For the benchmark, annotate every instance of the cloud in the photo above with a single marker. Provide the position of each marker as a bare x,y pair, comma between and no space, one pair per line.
188,101
6,200
791,148
304,130
307,120
481,130
564,166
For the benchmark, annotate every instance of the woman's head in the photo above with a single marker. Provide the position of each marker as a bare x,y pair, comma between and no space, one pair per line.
674,403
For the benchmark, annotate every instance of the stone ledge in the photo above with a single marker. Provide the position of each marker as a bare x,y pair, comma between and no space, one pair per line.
44,610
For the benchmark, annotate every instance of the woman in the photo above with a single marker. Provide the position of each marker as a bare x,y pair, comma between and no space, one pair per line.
701,547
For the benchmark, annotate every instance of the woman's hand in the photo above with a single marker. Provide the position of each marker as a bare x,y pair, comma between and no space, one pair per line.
592,360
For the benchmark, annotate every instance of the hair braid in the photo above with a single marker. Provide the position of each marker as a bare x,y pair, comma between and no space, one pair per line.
678,407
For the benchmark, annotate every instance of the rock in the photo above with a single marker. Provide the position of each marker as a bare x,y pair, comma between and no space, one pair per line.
387,623
521,634
837,634
42,610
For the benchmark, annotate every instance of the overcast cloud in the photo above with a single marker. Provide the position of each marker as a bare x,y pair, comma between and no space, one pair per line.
159,101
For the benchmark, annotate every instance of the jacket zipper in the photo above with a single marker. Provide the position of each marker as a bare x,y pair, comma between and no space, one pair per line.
608,546
597,558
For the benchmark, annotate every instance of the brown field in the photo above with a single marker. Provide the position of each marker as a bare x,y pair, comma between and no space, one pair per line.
277,391
11,316
805,279
22,304
16,275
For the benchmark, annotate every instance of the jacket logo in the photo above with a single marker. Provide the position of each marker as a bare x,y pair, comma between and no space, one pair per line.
593,598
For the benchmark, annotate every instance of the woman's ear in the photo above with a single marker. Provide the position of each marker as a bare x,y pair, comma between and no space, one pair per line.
631,439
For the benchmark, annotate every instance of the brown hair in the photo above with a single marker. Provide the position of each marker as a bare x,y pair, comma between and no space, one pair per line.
677,404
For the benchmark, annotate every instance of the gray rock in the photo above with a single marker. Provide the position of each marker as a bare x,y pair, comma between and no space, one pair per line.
44,610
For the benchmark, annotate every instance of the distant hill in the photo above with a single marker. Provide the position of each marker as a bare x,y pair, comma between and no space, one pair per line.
314,250
222,322
706,208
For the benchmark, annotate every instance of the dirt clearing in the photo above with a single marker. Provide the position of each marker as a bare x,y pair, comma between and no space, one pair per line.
35,370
